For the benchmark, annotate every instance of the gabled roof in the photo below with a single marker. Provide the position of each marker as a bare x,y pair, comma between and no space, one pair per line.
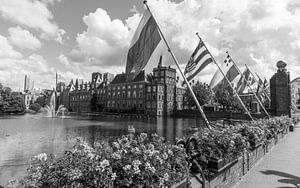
128,78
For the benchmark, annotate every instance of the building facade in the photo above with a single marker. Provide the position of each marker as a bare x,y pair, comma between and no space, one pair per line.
155,94
295,92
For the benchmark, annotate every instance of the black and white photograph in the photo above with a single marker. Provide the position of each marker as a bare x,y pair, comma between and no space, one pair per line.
150,93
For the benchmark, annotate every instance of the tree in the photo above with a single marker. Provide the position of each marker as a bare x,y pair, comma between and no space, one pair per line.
41,100
93,102
202,92
35,107
225,97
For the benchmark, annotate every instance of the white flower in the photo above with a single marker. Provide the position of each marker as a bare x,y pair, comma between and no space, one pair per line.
113,176
127,167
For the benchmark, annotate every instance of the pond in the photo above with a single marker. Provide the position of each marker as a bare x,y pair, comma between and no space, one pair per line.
22,137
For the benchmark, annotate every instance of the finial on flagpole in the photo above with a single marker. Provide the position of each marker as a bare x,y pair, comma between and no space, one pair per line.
145,2
198,36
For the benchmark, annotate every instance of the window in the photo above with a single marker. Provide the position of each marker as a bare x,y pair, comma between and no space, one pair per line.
158,97
161,73
119,87
118,96
128,94
108,88
134,94
109,95
113,94
123,95
154,88
129,86
153,104
134,86
149,88
123,87
141,86
148,104
113,88
141,105
154,97
140,94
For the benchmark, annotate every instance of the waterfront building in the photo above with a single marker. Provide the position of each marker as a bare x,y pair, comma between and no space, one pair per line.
157,93
295,92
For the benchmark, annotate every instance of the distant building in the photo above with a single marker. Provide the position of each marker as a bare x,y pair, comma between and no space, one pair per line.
155,94
295,92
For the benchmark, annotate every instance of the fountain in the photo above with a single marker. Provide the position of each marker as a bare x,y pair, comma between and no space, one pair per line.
49,110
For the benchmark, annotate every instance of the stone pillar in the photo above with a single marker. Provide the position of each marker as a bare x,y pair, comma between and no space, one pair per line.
280,91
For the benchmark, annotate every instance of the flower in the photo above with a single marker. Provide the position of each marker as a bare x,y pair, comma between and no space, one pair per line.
113,176
40,157
127,167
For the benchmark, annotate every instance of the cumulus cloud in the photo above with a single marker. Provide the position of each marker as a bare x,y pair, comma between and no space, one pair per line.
23,39
14,65
32,14
7,51
255,32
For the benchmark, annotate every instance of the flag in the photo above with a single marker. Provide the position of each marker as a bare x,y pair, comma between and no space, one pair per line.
198,61
242,83
229,69
260,87
145,40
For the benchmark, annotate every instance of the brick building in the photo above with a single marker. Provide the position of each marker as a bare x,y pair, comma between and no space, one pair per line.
154,94
295,92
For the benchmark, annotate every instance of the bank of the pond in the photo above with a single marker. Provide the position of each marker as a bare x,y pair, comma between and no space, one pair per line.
221,156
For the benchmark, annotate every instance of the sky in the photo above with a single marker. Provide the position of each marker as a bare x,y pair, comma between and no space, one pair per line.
75,38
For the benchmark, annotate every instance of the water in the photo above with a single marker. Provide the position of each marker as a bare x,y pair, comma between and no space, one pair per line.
22,137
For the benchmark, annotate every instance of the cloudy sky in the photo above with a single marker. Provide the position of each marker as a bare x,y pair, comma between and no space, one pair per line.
76,38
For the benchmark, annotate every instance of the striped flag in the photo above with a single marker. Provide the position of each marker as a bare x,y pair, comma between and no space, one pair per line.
242,83
145,40
198,61
260,87
229,69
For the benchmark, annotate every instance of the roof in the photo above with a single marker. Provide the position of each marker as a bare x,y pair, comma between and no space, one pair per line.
128,78
296,80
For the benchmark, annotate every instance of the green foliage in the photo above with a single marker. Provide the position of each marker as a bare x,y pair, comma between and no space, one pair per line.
202,92
132,161
225,97
93,102
10,101
41,100
35,107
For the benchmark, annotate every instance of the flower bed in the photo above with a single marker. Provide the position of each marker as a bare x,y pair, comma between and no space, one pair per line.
132,161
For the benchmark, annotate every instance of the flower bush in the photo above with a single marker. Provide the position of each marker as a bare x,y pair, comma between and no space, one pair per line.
132,161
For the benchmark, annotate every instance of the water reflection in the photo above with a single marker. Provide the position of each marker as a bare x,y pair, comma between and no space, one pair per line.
22,137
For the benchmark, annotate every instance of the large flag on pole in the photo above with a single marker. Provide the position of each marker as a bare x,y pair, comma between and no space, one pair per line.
198,61
260,87
144,42
242,83
229,69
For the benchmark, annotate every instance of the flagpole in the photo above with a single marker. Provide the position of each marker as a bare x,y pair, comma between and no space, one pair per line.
265,92
258,82
240,100
249,87
177,64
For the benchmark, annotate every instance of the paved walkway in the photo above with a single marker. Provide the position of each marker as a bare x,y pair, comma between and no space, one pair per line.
280,168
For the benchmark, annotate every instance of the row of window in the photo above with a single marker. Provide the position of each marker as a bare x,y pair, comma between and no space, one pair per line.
129,104
163,73
81,97
123,87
